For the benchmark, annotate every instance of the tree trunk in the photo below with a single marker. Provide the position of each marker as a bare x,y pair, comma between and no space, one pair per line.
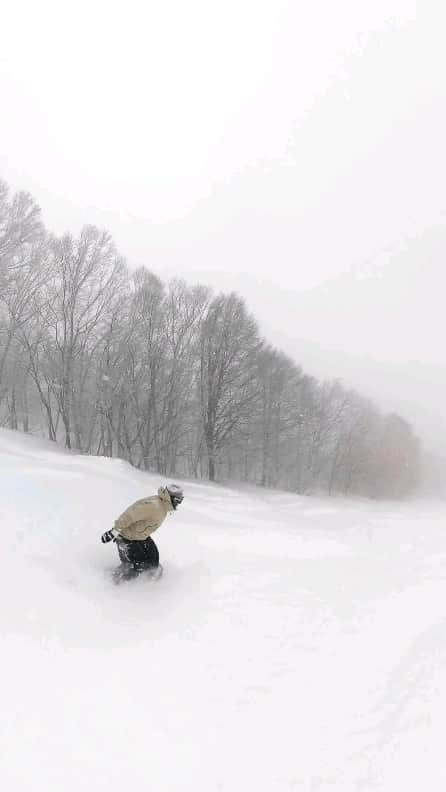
13,423
211,468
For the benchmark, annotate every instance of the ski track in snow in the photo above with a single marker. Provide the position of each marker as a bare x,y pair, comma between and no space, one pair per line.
292,644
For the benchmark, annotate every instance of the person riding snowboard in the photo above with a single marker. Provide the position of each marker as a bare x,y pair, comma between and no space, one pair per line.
132,531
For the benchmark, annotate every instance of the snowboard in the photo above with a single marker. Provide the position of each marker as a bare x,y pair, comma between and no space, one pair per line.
126,572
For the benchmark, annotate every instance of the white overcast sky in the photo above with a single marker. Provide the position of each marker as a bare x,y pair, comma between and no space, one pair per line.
261,145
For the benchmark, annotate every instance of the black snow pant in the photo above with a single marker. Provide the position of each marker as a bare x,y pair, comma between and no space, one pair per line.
141,554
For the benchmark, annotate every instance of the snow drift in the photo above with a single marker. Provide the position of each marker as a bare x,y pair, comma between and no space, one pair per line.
293,643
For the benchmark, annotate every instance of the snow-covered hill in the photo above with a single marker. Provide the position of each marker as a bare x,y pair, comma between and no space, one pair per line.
292,644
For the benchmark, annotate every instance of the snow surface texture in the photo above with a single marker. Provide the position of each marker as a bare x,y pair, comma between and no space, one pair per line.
292,644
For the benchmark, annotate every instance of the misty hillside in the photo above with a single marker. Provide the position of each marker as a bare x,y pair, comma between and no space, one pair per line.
381,310
172,377
380,328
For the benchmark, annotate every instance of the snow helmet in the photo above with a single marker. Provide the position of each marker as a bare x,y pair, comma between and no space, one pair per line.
176,494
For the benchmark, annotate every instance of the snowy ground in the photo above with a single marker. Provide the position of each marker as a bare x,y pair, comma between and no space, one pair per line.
292,644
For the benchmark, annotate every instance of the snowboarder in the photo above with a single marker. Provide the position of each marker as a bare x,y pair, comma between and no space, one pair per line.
132,532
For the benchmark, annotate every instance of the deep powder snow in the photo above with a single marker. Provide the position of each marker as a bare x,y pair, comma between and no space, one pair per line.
293,643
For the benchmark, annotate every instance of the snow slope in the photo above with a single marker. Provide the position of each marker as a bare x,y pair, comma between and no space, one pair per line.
292,644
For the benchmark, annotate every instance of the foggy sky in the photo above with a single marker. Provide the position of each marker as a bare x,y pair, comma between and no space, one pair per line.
261,145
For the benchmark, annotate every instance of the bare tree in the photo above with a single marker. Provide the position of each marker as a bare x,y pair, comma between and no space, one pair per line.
183,311
20,226
229,345
280,412
85,278
22,269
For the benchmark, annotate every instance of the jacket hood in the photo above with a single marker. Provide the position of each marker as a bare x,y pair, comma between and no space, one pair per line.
163,494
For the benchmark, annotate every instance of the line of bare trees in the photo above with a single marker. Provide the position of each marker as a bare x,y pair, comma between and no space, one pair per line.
171,377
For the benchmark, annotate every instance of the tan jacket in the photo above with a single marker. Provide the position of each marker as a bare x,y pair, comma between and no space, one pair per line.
144,517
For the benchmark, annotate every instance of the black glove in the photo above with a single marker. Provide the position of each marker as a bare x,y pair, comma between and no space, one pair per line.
109,536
